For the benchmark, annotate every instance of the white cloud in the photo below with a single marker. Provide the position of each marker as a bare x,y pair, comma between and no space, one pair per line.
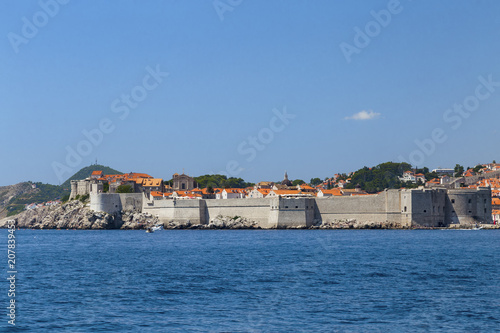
363,115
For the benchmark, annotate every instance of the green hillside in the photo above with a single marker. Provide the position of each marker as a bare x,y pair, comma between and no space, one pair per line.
87,171
42,193
45,192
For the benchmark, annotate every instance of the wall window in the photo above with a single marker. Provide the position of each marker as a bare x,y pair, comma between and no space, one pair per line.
452,200
470,200
405,208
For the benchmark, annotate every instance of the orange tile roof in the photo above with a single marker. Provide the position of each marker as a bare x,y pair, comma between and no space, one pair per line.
97,173
234,190
333,191
495,201
152,182
279,192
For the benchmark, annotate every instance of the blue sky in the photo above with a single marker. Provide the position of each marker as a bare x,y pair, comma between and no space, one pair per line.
253,87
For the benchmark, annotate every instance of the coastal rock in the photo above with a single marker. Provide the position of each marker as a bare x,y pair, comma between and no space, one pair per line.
77,215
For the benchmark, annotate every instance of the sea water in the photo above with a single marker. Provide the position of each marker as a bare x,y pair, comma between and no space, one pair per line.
255,281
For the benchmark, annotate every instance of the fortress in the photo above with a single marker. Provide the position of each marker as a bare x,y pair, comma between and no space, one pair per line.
415,207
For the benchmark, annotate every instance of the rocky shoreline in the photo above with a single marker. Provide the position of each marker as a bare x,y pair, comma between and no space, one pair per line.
77,215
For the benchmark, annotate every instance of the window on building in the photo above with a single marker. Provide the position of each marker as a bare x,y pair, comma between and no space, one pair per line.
452,200
405,208
470,200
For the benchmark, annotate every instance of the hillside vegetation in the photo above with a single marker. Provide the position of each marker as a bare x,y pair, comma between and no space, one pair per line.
87,171
385,175
13,198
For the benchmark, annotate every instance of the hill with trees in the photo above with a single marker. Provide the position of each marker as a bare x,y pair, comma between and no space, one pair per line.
13,198
87,171
385,175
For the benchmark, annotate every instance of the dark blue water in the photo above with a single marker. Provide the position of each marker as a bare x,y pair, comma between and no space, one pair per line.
256,281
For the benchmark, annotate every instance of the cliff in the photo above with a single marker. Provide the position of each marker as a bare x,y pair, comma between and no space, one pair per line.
77,215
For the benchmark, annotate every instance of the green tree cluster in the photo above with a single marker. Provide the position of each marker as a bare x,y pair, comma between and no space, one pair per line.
125,188
315,181
298,182
221,181
459,170
380,177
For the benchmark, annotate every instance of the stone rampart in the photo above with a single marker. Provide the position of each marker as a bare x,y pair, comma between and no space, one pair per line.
416,207
116,202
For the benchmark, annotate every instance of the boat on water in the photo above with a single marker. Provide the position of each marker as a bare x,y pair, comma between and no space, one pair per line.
157,227
149,230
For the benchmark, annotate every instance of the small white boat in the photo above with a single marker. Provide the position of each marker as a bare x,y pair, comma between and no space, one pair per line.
157,227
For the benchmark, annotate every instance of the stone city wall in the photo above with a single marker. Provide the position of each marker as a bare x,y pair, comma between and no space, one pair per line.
420,207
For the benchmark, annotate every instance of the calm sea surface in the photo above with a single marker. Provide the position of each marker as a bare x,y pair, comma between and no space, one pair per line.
256,281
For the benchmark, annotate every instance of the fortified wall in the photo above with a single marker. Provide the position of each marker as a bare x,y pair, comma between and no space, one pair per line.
416,207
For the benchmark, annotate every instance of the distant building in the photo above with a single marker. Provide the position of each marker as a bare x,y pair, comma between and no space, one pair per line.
183,182
96,174
286,181
441,171
329,193
231,193
258,193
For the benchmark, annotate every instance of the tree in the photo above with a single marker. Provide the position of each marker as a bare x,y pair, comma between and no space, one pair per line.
125,188
105,187
459,170
477,168
298,182
315,181
221,181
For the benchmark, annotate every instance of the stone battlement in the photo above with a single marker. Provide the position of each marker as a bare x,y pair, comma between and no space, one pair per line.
415,207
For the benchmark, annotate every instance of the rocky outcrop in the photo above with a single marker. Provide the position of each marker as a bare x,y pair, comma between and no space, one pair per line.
219,222
354,224
77,215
